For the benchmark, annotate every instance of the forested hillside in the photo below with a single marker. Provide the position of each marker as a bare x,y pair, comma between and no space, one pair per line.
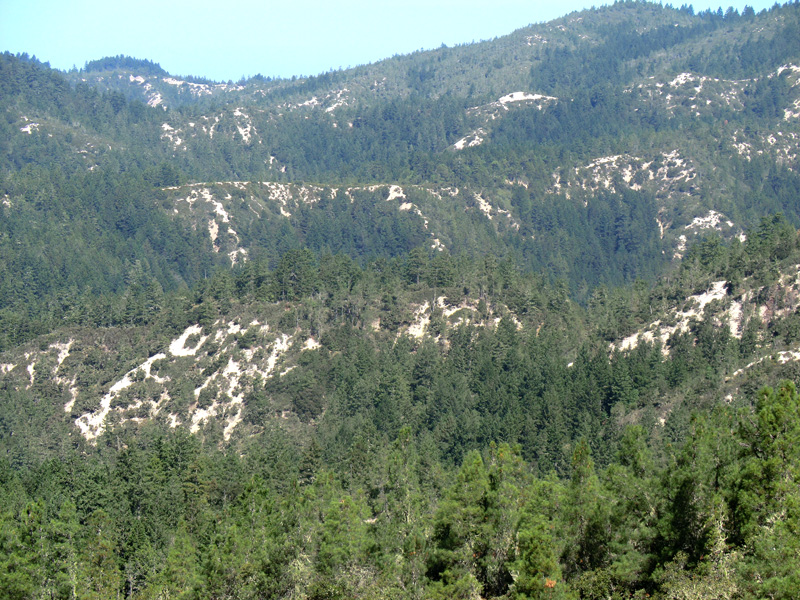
421,427
514,319
696,115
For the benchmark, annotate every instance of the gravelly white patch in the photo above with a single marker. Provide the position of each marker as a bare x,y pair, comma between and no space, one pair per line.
178,346
658,330
485,207
421,321
311,344
93,424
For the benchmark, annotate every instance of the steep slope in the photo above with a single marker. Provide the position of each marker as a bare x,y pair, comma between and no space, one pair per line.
646,108
315,346
511,146
244,366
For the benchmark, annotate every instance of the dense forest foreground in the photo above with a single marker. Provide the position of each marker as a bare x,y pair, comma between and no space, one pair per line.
162,518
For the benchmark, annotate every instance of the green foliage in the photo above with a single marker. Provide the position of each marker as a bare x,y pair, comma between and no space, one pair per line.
767,499
717,520
111,63
509,452
88,202
537,570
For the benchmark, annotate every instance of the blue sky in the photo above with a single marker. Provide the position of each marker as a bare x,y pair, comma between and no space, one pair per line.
229,39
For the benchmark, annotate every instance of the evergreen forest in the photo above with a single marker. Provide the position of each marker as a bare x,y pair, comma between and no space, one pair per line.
515,319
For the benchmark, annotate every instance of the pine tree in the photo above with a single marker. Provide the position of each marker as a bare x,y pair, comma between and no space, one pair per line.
100,577
537,573
768,499
586,515
460,533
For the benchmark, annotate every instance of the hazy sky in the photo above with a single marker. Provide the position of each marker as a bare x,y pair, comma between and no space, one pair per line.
227,39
